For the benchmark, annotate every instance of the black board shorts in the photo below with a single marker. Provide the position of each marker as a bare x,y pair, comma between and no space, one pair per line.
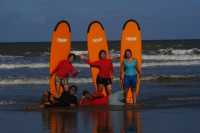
104,81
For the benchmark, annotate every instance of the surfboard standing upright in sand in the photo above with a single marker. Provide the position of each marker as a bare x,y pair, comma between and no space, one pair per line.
96,41
60,49
131,39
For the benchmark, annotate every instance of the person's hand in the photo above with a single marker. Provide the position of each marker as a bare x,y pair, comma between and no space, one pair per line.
112,77
82,57
72,105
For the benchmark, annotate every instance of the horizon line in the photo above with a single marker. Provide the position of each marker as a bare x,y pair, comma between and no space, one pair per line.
108,41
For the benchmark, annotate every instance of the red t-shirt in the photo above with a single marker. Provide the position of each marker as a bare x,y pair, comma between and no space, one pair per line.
64,69
94,101
105,67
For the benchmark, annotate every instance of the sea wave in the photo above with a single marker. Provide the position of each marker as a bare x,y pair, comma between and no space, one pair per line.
162,57
171,51
45,81
81,65
7,102
167,51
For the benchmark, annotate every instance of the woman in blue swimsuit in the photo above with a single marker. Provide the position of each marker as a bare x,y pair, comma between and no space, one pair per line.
129,72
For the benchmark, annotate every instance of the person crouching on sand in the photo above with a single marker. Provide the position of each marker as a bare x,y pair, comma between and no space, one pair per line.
68,97
128,74
65,69
105,75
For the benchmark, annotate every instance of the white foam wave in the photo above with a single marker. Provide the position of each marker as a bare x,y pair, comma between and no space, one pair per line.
180,51
33,81
182,63
14,66
7,102
45,81
168,51
10,56
79,52
79,65
171,57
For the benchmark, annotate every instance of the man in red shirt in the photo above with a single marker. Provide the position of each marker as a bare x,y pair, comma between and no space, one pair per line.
65,69
104,78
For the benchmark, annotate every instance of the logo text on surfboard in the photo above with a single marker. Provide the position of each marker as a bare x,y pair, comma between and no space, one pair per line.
62,40
96,40
131,39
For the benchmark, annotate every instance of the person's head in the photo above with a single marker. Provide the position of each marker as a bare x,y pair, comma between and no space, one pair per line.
102,54
71,57
66,88
73,89
86,94
127,54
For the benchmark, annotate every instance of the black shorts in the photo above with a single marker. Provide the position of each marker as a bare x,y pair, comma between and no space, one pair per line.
104,81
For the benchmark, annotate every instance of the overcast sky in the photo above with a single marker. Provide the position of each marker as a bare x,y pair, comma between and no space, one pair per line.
33,20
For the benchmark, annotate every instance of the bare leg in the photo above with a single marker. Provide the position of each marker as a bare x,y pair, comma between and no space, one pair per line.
109,89
100,88
125,93
134,97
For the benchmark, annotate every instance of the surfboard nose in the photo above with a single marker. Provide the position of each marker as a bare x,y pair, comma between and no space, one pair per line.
95,26
62,27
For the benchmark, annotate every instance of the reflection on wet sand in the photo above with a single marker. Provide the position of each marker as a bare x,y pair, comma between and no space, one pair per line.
103,123
60,122
132,122
95,121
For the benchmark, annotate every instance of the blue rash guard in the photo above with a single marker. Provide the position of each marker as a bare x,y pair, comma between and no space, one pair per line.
130,76
130,67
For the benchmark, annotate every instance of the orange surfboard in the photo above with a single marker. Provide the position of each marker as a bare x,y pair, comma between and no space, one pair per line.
60,49
96,41
131,39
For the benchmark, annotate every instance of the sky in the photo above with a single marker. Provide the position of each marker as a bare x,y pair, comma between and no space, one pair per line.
34,20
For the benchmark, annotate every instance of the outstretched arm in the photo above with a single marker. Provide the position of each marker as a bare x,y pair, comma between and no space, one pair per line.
82,57
94,63
115,58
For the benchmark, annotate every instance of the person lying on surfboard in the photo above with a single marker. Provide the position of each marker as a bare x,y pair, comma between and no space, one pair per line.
129,71
65,69
88,99
105,75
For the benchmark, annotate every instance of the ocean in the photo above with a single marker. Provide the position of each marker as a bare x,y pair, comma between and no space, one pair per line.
170,90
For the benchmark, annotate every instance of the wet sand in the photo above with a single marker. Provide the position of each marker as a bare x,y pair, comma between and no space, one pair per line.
173,120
